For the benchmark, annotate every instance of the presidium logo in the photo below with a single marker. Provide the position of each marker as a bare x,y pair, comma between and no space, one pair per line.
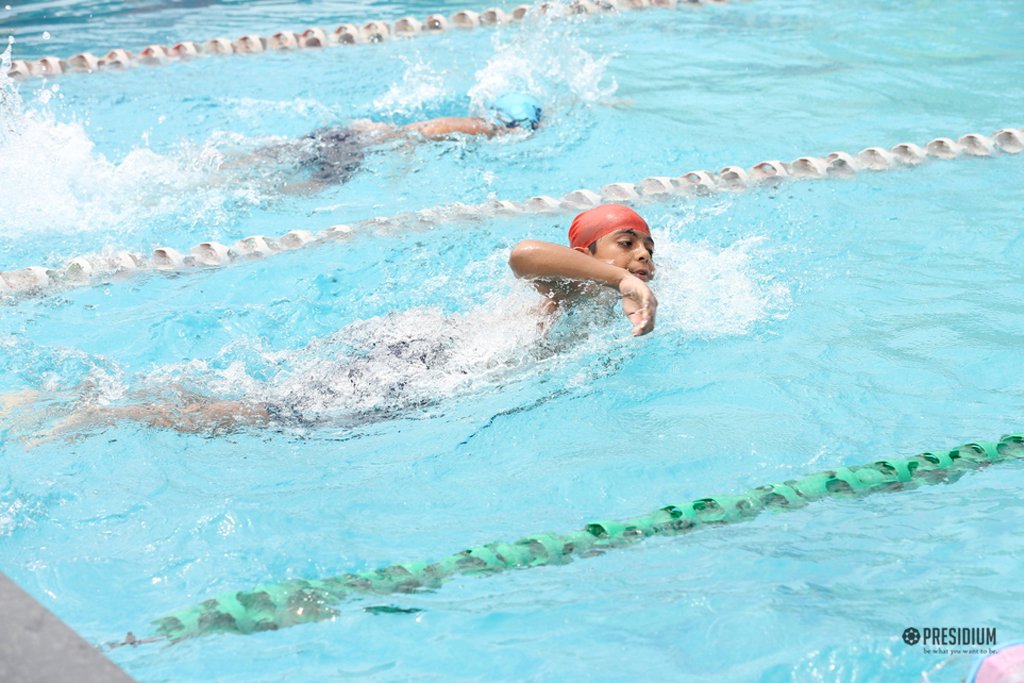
952,640
911,636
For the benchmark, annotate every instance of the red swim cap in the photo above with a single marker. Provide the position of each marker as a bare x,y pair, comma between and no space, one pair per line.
593,224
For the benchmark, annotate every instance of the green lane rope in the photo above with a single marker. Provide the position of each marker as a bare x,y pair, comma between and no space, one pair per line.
276,606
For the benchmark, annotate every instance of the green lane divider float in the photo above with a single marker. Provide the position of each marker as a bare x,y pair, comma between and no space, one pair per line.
267,608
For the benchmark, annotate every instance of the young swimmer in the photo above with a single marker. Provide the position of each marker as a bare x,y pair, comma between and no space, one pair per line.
609,246
333,154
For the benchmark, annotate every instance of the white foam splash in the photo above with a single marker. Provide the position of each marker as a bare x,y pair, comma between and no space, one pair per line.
55,181
707,291
548,63
10,98
421,84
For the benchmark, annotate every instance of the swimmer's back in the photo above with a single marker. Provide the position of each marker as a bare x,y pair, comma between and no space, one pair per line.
334,153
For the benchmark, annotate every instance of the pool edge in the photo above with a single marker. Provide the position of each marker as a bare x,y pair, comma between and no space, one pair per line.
35,645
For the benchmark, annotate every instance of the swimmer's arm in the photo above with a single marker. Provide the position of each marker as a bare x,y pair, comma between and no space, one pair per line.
441,128
544,262
537,260
431,129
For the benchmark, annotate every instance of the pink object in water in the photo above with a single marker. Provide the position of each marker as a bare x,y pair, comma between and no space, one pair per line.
1005,666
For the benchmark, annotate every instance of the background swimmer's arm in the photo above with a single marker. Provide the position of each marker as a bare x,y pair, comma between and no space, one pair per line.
546,261
439,129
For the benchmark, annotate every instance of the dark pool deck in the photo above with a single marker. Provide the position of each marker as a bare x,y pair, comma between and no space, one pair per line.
37,647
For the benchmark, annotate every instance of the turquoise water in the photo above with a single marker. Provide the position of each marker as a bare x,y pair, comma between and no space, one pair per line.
802,327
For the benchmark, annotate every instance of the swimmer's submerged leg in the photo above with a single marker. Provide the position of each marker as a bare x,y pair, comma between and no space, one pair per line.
14,400
212,417
192,418
24,411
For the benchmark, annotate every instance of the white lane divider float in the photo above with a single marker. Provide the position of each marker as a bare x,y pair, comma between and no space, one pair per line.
373,31
95,268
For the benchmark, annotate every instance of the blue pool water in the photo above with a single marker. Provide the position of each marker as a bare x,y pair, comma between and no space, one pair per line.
801,327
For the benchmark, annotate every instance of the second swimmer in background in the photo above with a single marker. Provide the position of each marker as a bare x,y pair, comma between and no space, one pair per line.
331,155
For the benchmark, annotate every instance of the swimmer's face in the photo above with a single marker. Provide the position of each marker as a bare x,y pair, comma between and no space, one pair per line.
628,249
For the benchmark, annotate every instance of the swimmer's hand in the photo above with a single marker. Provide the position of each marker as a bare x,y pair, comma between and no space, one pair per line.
639,303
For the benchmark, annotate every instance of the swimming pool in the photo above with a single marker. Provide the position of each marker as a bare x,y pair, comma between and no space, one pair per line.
801,327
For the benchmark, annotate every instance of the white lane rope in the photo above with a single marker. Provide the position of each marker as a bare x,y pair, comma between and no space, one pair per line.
373,31
93,269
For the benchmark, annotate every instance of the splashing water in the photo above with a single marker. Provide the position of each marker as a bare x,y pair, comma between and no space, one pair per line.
710,292
10,99
421,84
550,63
55,181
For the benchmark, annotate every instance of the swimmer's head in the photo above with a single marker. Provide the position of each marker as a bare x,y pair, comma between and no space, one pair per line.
615,234
516,110
593,224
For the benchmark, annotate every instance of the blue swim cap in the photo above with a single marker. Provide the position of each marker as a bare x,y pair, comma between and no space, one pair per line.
517,110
